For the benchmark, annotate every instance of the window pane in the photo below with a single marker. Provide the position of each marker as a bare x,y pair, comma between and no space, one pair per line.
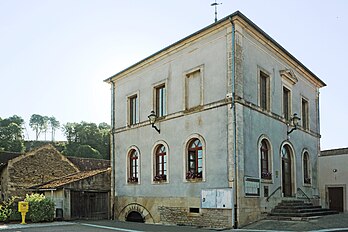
160,100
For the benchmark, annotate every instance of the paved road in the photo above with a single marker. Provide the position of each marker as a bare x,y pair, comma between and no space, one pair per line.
322,224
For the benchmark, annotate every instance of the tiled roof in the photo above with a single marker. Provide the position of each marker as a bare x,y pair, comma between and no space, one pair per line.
88,164
69,179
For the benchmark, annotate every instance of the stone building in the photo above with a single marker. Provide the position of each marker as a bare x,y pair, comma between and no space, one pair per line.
225,143
81,195
32,168
333,181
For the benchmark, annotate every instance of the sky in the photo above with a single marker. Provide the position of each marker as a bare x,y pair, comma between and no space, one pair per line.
55,54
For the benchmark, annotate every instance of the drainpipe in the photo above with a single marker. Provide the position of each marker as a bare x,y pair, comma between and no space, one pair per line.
112,150
233,108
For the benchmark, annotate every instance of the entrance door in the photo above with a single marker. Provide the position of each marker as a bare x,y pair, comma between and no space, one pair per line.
336,198
286,172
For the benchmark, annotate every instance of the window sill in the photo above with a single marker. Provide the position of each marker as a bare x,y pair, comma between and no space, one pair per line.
160,182
194,180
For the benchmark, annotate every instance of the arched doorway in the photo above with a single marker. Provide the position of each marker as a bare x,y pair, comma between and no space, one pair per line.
135,217
286,171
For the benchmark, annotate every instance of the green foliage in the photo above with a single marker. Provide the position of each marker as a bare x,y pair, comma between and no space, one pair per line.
41,209
37,123
6,209
87,140
11,130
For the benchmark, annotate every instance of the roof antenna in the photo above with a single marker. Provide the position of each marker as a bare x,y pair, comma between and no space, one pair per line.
215,4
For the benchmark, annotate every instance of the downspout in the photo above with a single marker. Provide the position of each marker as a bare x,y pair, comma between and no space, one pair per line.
233,108
112,150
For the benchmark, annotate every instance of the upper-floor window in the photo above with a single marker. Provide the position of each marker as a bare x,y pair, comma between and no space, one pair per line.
194,160
160,164
160,100
133,108
264,92
304,114
286,103
306,168
265,160
133,166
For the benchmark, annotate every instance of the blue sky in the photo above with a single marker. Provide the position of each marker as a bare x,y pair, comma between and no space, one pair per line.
55,54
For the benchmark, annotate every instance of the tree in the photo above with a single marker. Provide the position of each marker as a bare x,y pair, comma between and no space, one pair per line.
79,135
11,134
53,124
37,123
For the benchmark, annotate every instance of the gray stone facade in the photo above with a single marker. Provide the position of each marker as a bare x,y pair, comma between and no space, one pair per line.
225,87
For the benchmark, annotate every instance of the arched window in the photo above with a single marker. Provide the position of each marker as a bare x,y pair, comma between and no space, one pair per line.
306,169
265,160
133,166
160,163
195,160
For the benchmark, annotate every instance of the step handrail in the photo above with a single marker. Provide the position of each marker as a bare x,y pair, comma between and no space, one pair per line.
267,199
303,193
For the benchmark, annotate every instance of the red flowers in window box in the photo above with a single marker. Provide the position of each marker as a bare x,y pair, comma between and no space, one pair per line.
266,175
160,178
133,179
193,175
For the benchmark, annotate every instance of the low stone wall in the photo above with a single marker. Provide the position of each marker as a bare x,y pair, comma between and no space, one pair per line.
209,218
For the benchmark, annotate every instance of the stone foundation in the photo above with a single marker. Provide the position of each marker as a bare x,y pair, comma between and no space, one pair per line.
173,211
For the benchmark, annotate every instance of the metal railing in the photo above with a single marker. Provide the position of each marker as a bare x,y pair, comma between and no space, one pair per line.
303,193
267,199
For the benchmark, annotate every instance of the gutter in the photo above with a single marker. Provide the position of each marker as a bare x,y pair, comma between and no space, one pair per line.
112,151
233,108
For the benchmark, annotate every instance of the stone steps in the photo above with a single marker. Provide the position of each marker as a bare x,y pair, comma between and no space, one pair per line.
298,210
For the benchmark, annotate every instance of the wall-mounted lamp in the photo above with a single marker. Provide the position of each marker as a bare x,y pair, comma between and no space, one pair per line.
294,123
334,170
152,118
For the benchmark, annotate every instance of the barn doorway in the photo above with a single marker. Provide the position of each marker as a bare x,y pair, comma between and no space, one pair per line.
135,217
89,205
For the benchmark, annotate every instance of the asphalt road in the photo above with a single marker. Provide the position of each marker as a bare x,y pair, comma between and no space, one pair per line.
98,226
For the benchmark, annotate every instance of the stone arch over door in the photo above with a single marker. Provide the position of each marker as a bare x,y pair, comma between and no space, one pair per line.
135,209
288,170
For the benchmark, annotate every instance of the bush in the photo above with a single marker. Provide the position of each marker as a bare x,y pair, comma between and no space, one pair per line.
6,209
41,209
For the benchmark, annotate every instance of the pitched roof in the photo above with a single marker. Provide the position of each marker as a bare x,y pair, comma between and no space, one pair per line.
88,164
227,18
57,183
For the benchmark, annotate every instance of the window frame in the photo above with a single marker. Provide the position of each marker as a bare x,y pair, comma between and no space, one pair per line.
133,109
306,167
265,159
287,102
133,177
305,113
264,89
160,99
160,173
187,175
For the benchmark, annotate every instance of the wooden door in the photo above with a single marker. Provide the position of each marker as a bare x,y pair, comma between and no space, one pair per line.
89,205
336,198
286,172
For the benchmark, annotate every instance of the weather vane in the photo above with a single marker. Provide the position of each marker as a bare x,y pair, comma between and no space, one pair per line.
215,4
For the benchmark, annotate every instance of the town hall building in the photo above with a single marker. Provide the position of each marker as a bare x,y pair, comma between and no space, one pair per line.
214,130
